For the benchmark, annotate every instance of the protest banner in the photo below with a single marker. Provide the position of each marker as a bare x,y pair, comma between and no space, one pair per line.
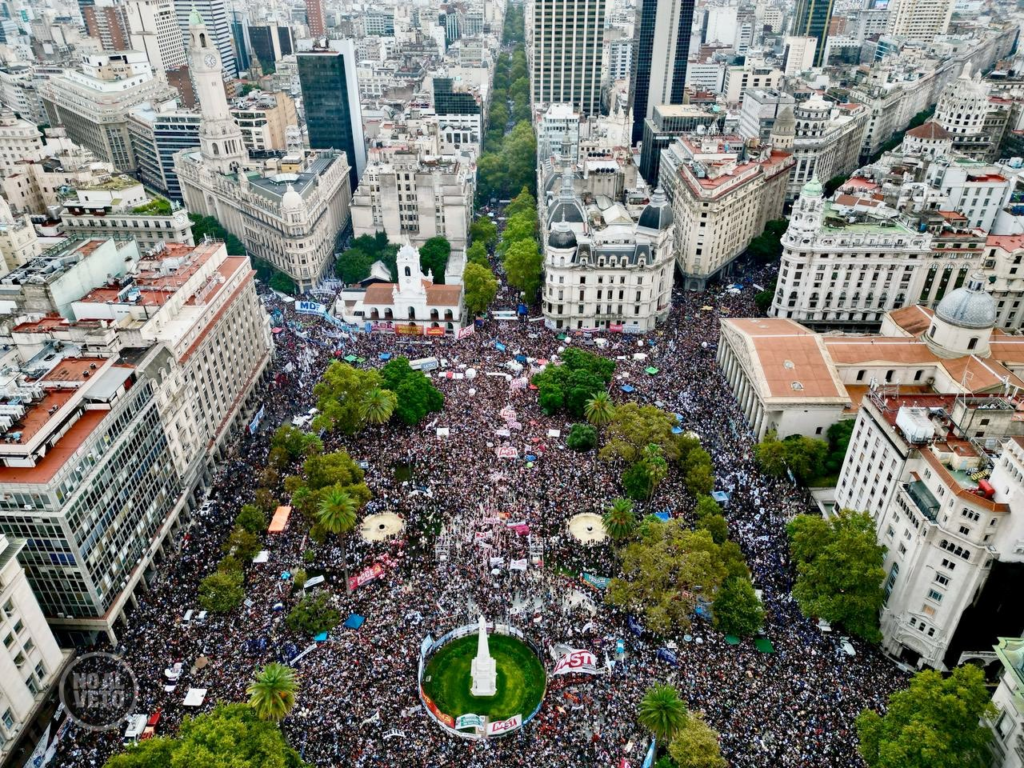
469,721
365,576
465,332
576,661
504,726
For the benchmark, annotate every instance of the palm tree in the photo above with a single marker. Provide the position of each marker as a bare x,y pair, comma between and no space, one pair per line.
663,712
657,467
378,405
619,519
337,515
599,409
272,693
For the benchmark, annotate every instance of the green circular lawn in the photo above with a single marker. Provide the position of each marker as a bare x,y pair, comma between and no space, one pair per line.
520,678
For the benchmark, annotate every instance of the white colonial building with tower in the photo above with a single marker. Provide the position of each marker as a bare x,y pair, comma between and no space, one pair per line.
287,211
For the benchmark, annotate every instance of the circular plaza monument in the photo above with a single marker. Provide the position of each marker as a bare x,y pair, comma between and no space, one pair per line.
477,684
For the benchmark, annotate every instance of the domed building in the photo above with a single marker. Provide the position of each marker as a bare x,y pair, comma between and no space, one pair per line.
603,270
963,322
974,122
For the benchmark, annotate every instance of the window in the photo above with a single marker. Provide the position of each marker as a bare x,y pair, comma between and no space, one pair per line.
8,720
934,595
940,579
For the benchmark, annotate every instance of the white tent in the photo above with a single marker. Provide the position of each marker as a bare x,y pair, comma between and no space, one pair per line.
195,697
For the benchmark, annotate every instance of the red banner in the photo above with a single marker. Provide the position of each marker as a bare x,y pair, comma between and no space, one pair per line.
465,331
385,327
375,571
616,327
408,330
435,331
446,719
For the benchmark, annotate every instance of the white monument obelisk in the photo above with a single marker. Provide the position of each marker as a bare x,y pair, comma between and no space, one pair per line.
483,671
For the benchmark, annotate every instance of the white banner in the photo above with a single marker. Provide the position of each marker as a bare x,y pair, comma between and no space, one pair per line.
465,331
469,721
504,726
577,661
518,565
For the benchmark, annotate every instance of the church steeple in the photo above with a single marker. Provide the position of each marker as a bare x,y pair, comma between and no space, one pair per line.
220,138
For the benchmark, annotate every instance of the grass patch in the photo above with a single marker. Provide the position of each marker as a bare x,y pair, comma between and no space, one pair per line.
520,678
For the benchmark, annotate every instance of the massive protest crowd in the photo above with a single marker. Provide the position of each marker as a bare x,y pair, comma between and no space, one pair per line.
358,704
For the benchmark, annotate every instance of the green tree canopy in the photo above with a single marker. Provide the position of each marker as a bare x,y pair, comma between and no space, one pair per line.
340,394
662,712
353,265
252,519
434,256
480,285
230,736
664,571
633,427
599,409
484,231
696,746
313,614
477,254
839,570
524,202
575,382
934,723
221,591
272,692
698,472
335,470
417,396
619,519
736,609
582,437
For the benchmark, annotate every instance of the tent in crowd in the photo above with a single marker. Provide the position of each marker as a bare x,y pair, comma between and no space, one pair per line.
280,520
354,621
764,645
195,697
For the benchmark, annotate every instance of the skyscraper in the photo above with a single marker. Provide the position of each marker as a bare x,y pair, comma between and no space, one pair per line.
662,26
330,95
215,17
315,18
154,30
812,20
568,37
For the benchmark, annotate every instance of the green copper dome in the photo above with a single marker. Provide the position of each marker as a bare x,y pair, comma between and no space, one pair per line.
812,188
195,19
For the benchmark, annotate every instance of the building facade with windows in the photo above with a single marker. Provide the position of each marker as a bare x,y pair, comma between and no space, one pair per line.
722,194
30,660
565,42
603,270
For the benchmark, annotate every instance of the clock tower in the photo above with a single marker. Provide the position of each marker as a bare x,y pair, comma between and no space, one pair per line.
220,138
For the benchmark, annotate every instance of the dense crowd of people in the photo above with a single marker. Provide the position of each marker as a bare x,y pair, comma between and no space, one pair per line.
358,703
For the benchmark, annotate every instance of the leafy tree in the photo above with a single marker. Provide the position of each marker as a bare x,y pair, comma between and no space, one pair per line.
805,456
582,437
839,435
619,519
521,228
736,608
771,455
265,500
573,383
378,405
313,615
839,570
242,543
231,735
519,153
524,202
294,442
272,692
698,472
599,409
763,299
767,247
203,226
337,512
935,723
417,396
696,746
662,712
665,569
707,506
633,427
484,231
252,519
353,265
716,525
299,578
340,394
835,183
480,287
221,591
637,481
434,256
230,564
283,284
477,254
319,472
490,175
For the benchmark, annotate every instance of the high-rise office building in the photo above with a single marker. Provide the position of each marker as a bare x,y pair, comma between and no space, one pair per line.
662,26
812,20
921,20
215,16
315,18
568,38
153,29
240,37
106,23
270,43
330,95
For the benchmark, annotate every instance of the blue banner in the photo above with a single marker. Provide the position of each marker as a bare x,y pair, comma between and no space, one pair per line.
634,626
649,760
666,655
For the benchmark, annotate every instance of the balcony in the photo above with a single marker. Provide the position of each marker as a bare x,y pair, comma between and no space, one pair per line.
923,498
